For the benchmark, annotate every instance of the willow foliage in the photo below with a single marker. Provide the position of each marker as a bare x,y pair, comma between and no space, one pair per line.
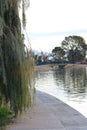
16,64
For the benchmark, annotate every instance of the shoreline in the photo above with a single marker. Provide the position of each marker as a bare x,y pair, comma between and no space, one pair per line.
55,67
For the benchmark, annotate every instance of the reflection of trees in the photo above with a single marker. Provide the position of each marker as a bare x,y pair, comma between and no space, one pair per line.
60,77
76,80
45,79
41,74
73,80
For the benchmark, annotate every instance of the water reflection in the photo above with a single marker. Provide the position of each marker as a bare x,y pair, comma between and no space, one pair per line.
73,81
69,84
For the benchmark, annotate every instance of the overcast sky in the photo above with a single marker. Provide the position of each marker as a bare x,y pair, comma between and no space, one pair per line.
49,21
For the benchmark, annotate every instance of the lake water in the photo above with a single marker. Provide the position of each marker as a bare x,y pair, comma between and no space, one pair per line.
68,84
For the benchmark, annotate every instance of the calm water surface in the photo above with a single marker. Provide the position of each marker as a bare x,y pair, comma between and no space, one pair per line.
69,85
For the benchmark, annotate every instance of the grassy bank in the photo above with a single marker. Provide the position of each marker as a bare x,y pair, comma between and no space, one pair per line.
4,116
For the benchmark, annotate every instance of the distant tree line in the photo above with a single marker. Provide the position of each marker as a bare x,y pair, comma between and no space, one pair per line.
72,49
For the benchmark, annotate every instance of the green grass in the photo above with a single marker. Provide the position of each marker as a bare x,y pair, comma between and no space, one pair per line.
4,112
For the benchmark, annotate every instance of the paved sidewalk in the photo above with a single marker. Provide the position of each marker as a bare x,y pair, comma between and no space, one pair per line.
50,114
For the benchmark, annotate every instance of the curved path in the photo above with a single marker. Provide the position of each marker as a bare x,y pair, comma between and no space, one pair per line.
49,114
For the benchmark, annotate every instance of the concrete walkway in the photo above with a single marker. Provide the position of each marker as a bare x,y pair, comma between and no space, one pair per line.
49,114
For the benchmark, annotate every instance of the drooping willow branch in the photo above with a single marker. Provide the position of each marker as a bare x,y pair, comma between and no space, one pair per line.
16,64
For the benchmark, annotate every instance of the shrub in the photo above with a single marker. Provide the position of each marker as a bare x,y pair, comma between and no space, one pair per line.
4,112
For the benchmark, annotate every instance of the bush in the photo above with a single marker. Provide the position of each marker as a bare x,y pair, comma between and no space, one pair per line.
4,112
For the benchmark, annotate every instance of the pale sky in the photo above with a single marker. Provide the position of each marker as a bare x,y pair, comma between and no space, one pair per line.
49,21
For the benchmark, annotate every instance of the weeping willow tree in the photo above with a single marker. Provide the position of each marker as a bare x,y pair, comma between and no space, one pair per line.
16,64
